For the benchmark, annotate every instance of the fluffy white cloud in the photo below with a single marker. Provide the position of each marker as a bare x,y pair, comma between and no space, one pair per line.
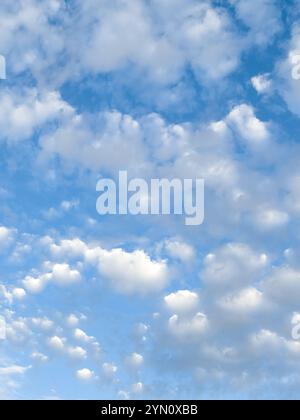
188,328
44,323
39,357
129,272
61,275
283,286
109,370
180,250
288,73
182,301
10,296
60,345
232,266
244,302
168,44
22,114
132,273
134,361
262,83
85,374
19,293
247,125
72,320
57,343
92,144
265,25
271,219
82,336
77,353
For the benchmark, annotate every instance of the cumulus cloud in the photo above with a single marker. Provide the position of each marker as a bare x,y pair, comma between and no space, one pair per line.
284,286
61,275
57,343
263,26
129,272
39,357
132,273
109,370
227,317
262,83
60,345
14,294
182,301
287,72
246,301
85,375
22,114
271,219
188,328
134,361
247,125
167,43
72,320
91,144
232,266
180,250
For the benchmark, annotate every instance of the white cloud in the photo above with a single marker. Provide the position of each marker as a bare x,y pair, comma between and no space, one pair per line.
265,24
77,353
82,336
6,237
283,286
138,388
57,343
61,275
287,72
17,330
271,219
72,320
23,113
232,266
188,328
135,360
168,44
39,357
85,375
19,293
133,273
28,38
267,341
242,118
15,294
92,142
44,323
109,370
262,83
129,272
246,301
68,248
182,301
14,370
60,345
180,250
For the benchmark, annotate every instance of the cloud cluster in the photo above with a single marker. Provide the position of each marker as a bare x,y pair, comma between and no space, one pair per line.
129,272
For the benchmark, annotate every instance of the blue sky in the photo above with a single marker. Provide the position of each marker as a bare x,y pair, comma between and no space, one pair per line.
127,307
